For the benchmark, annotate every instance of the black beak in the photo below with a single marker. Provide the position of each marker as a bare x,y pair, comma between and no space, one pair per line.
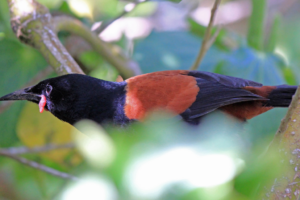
24,94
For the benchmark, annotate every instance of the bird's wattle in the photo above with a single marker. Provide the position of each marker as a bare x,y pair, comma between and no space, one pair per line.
42,103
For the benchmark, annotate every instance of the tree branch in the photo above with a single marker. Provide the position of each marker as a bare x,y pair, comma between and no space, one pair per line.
38,166
41,149
110,53
285,146
31,23
206,42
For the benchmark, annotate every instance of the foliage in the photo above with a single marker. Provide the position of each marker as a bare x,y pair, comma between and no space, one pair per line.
157,159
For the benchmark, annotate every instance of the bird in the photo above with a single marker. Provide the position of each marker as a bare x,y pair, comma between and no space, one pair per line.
188,94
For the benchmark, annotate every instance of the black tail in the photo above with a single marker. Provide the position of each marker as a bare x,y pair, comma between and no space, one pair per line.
281,96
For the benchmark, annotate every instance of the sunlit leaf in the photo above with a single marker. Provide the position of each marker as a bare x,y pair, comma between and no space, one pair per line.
94,145
92,187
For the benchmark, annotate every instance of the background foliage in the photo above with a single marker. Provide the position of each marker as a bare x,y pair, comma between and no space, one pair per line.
159,35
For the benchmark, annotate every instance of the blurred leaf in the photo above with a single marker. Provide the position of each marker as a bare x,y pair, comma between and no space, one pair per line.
94,144
39,129
174,1
50,3
97,67
288,44
264,126
143,9
247,63
256,24
100,10
19,63
272,41
289,76
5,29
91,187
65,8
173,50
4,14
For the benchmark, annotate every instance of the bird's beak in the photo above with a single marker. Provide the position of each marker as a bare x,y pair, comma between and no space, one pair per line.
24,94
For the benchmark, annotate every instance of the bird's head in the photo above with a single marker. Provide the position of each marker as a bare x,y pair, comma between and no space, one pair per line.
66,97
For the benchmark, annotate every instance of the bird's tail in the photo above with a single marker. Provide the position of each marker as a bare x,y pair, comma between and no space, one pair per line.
281,96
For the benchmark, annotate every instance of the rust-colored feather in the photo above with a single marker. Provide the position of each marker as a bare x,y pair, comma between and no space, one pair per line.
245,110
171,90
250,109
263,91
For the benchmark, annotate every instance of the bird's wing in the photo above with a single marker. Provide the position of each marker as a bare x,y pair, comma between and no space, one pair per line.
180,91
218,90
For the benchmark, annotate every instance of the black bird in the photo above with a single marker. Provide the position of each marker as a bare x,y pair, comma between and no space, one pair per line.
191,94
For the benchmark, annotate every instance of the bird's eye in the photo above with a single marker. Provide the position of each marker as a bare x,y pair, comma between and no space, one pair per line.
48,89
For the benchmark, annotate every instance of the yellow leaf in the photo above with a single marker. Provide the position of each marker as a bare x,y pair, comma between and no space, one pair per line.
39,129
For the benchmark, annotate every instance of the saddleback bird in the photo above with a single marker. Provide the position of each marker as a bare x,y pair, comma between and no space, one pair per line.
190,94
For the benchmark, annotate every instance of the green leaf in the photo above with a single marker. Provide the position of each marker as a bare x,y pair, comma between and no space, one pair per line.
19,64
97,67
5,29
256,25
274,34
65,8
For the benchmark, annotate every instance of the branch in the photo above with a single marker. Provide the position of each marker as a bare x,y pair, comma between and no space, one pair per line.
110,53
41,75
286,148
46,148
38,166
32,24
207,42
214,37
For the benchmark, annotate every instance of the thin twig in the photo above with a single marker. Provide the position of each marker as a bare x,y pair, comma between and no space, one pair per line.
104,25
38,166
214,37
41,75
41,149
207,37
127,9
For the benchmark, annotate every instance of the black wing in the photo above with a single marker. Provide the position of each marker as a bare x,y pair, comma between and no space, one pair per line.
218,90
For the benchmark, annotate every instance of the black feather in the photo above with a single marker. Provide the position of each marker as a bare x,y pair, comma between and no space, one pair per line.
281,96
224,80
